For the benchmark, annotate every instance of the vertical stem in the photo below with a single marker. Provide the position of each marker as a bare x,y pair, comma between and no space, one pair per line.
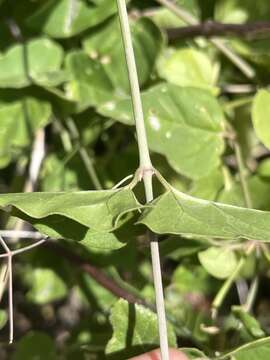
241,167
10,299
88,163
146,170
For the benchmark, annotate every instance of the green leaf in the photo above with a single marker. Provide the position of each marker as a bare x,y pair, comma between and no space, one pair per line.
208,187
219,262
261,116
106,46
188,67
240,11
19,122
66,18
38,62
89,85
135,329
84,216
35,345
97,210
259,193
99,74
263,169
259,349
192,280
249,322
45,286
194,354
185,125
181,214
3,318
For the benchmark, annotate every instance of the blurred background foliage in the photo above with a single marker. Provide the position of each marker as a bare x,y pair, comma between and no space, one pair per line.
66,124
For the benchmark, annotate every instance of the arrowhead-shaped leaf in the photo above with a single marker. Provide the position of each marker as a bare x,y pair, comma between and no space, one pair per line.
177,213
87,216
184,124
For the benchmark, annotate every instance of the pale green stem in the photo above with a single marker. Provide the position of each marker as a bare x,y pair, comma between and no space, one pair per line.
253,290
243,181
228,283
90,168
86,159
218,43
64,135
238,103
222,293
146,170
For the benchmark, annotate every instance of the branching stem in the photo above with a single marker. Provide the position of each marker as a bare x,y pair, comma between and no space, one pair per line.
9,274
146,169
229,282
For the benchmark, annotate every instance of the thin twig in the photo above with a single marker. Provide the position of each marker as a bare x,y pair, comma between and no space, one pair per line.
219,298
115,286
24,249
88,163
212,28
122,181
22,234
10,289
146,169
253,290
242,175
229,282
10,298
9,254
188,18
37,156
239,88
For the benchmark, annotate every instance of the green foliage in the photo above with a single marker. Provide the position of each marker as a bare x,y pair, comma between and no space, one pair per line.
260,116
219,262
35,344
205,219
135,330
63,76
179,115
22,65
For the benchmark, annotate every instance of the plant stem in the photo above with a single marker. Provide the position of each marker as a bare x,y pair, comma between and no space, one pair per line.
253,290
218,43
218,300
146,169
241,167
88,163
228,283
248,202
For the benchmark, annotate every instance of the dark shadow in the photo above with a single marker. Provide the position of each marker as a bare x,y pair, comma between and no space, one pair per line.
131,325
67,229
